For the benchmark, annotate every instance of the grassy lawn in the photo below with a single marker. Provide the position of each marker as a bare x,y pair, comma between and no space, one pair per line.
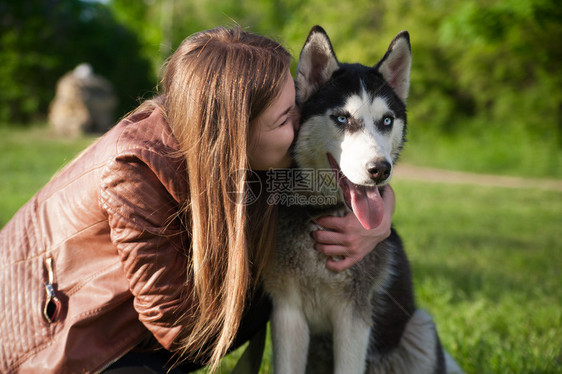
487,264
28,159
492,150
487,261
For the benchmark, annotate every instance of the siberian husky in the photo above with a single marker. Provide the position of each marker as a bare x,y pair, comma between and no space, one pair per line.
364,319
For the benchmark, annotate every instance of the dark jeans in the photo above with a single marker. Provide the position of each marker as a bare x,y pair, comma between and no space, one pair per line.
135,362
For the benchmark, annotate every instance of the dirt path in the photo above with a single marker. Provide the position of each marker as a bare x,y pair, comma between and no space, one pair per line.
404,172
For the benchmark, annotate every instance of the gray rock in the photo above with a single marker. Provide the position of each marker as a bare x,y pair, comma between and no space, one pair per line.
84,103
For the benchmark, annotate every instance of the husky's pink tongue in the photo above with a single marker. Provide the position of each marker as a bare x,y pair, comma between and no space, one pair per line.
367,205
366,202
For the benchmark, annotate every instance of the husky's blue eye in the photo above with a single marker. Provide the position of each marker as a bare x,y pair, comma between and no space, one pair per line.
341,119
387,121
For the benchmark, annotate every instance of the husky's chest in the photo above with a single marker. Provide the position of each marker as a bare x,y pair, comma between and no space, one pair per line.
295,252
299,275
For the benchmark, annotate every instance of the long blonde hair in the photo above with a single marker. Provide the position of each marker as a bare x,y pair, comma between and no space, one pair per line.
214,85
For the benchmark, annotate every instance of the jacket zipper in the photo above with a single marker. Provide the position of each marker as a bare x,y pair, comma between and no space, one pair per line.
53,306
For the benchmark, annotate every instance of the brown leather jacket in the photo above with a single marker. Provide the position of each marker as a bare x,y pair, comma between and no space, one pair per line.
104,237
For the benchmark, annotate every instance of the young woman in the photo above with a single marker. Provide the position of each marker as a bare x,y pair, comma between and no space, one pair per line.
137,247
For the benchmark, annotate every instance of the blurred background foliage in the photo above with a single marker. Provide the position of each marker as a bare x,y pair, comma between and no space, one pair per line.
40,40
484,70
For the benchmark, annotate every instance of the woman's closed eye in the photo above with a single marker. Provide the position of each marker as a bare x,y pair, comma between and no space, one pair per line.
292,116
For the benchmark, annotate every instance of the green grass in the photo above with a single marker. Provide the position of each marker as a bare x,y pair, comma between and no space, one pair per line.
487,264
28,159
487,261
493,150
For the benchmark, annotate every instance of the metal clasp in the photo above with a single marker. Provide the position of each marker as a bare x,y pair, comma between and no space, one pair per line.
52,308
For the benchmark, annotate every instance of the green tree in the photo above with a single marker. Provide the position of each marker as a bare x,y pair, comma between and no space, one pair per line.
163,24
506,55
41,40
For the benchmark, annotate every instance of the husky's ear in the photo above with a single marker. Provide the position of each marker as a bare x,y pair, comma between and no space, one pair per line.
317,62
396,63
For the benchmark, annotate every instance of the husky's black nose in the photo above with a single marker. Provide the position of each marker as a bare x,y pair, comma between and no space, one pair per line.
379,171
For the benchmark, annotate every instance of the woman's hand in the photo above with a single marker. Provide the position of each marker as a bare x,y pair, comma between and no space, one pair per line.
344,240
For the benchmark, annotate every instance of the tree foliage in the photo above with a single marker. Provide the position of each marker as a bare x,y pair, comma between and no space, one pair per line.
41,40
478,64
